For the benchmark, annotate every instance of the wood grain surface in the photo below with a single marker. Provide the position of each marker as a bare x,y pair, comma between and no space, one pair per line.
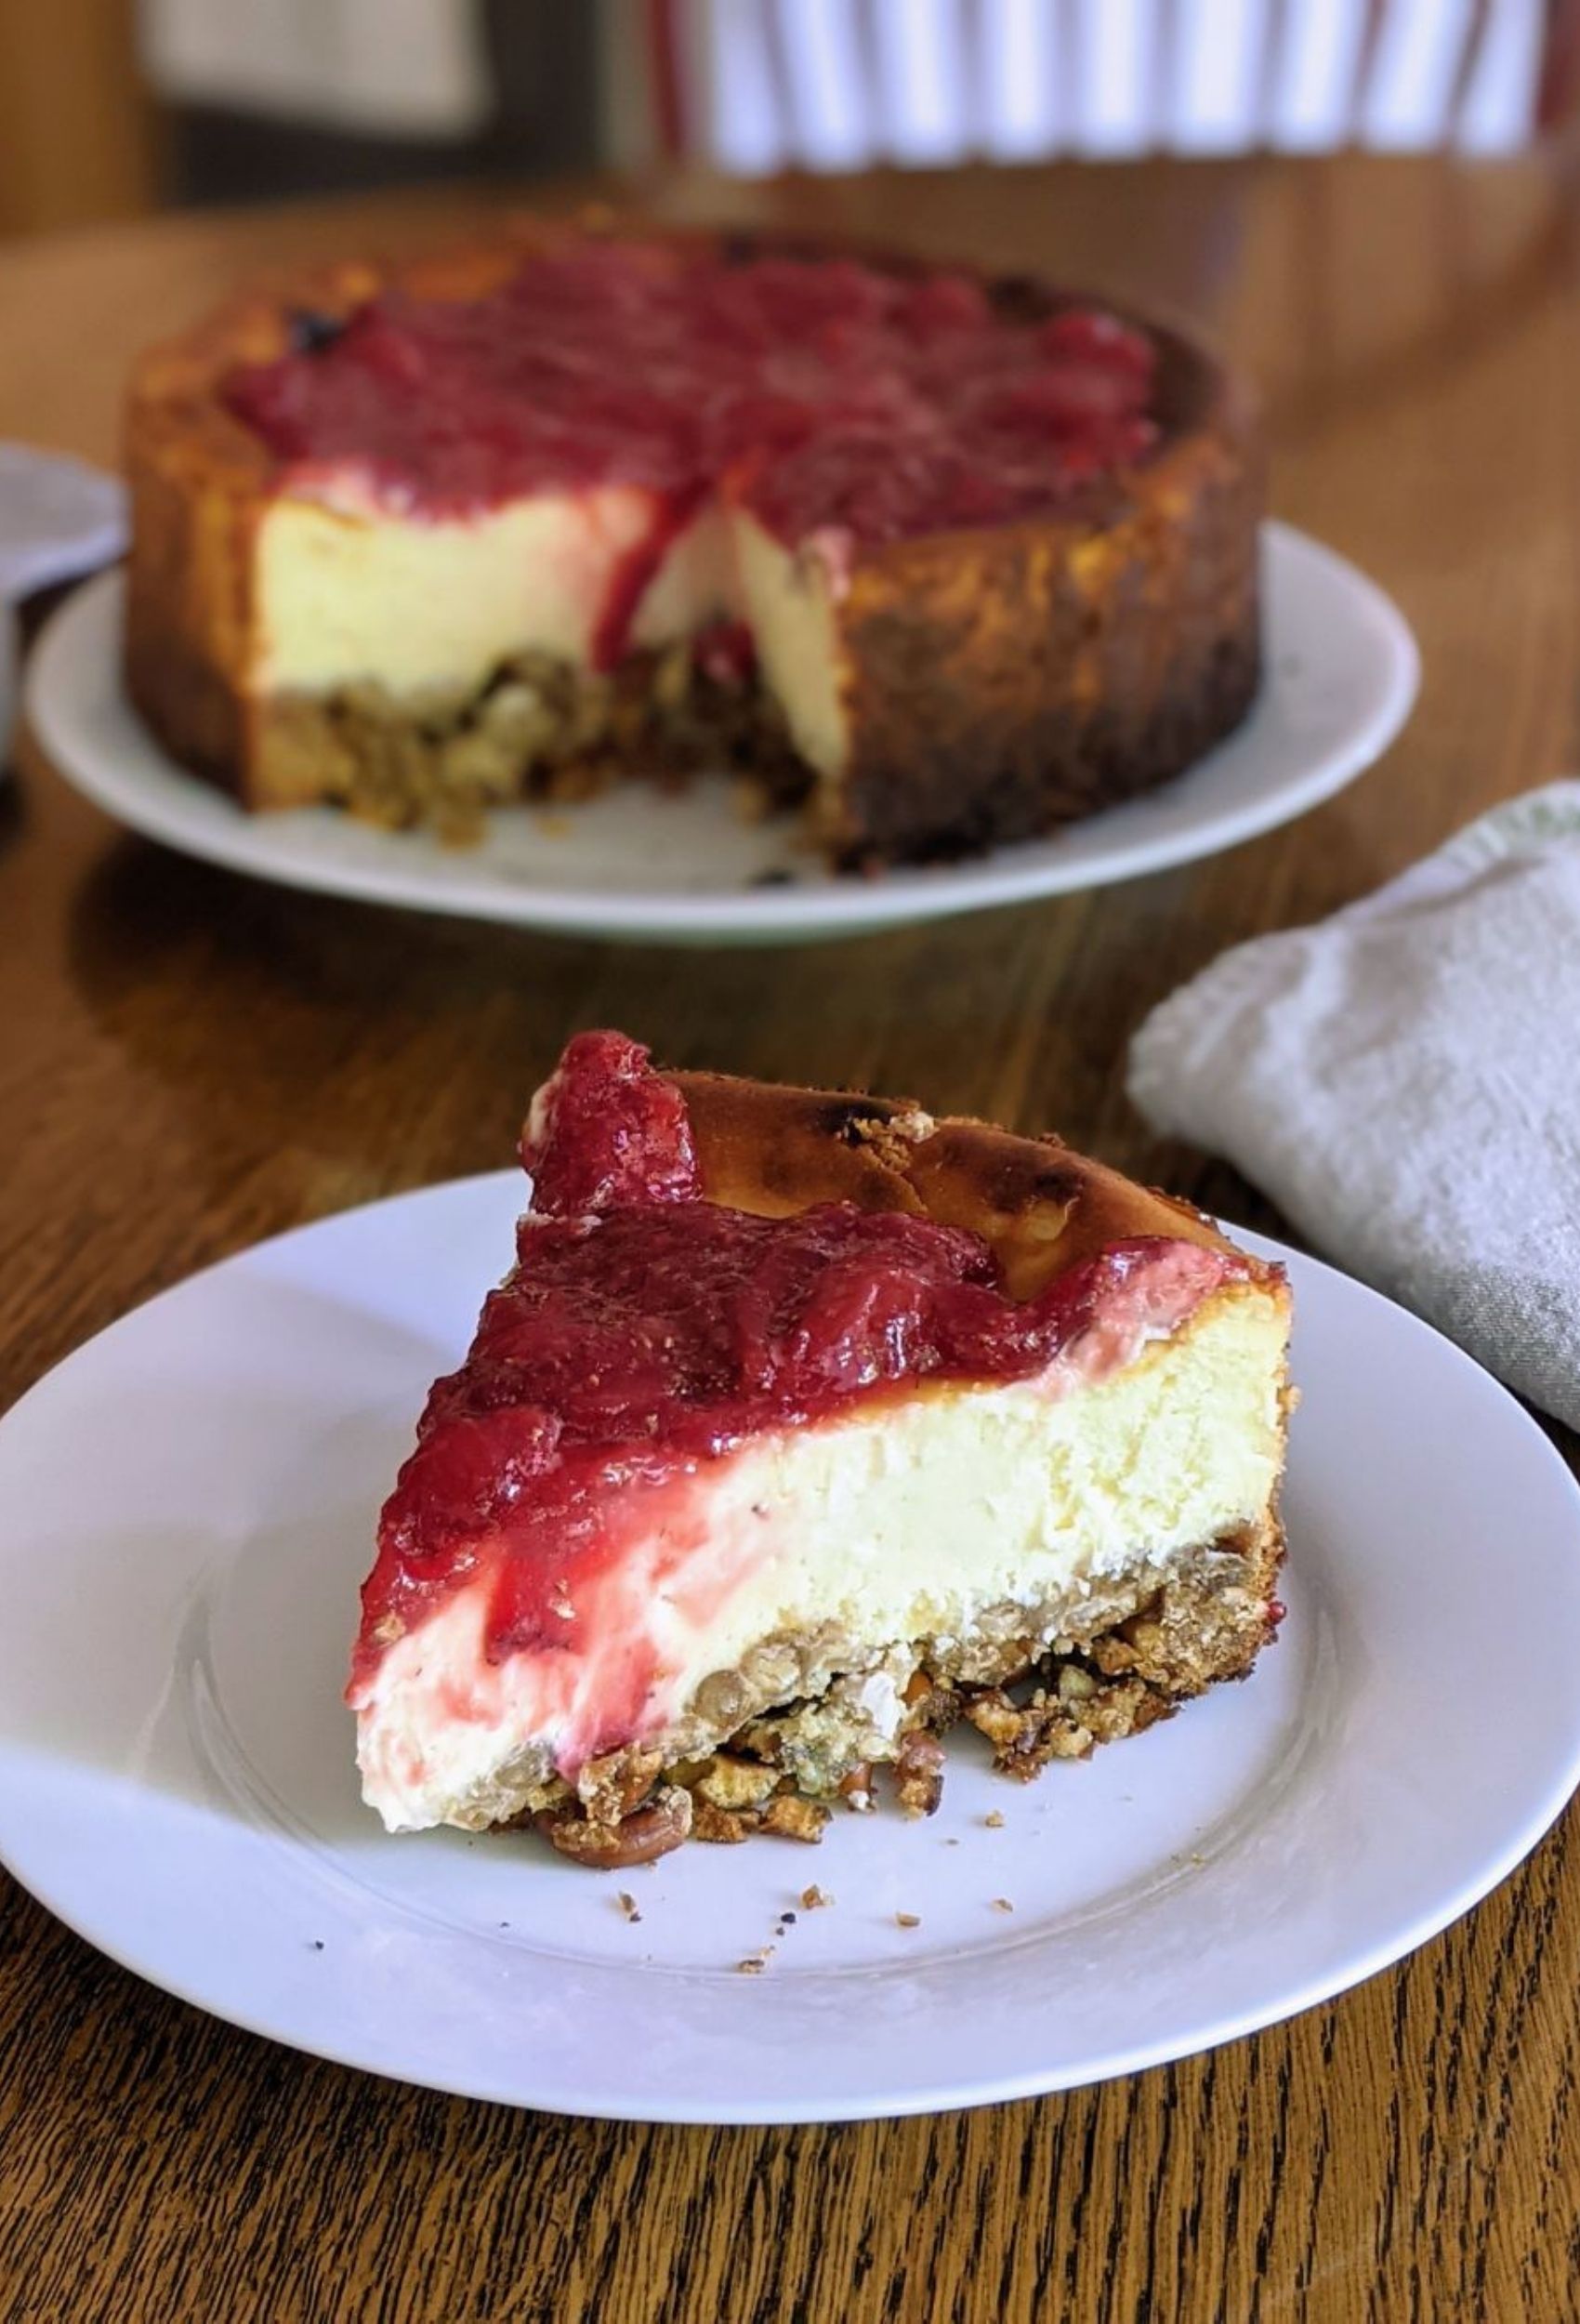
189,1062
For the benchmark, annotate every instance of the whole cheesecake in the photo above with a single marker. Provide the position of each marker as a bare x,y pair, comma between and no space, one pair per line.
803,1426
949,558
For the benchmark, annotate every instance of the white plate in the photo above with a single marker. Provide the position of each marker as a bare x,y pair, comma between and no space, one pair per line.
58,517
186,1509
1342,672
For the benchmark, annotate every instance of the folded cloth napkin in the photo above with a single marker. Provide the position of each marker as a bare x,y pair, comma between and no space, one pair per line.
1404,1080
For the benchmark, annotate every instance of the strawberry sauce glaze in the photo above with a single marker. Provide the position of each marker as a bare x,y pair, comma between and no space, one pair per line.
828,396
646,1332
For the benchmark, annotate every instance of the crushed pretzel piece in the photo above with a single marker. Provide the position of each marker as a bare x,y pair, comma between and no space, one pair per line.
790,1818
856,1787
663,1824
992,1714
733,1783
918,1774
722,1826
1080,1713
934,1705
613,1787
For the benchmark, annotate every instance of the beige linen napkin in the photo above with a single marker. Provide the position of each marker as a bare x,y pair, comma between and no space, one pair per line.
1404,1080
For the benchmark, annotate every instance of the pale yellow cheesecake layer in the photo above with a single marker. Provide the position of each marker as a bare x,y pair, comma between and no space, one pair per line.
787,598
350,596
345,596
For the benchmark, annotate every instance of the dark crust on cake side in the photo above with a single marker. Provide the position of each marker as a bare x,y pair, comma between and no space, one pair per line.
996,682
998,690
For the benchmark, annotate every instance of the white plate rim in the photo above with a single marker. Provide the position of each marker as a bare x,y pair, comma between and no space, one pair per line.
1473,1883
178,810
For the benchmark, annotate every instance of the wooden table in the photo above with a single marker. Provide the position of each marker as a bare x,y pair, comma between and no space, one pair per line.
188,1062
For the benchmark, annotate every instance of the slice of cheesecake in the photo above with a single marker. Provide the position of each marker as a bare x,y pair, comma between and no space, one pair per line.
803,1426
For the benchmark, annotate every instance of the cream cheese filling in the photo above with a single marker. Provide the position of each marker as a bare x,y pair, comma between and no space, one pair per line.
347,595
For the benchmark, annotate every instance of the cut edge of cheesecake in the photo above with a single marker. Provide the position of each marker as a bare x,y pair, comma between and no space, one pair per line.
1125,1531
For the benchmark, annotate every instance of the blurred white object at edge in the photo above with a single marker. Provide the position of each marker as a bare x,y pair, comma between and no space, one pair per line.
832,84
58,517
